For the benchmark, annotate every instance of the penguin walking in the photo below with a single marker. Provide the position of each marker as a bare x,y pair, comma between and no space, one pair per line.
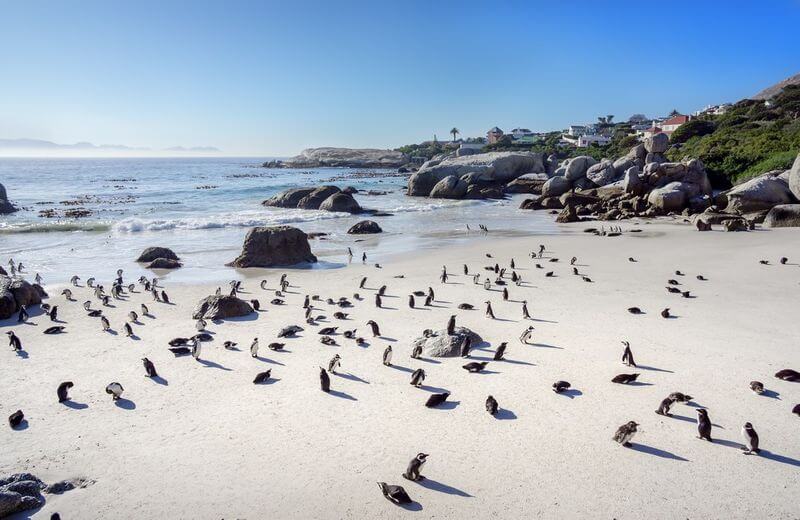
416,352
751,439
627,355
63,391
525,314
703,425
500,352
625,433
14,341
489,311
451,325
133,316
560,386
128,330
149,368
491,405
145,310
415,467
387,356
417,377
324,380
254,348
164,296
376,331
334,363
666,404
527,335
105,323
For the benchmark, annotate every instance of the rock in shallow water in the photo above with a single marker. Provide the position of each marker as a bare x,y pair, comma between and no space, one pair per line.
364,227
274,246
153,253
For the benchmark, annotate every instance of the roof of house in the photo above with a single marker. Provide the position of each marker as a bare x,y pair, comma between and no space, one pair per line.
654,130
676,120
495,130
525,130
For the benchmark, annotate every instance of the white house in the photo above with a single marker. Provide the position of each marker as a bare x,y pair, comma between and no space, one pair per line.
576,130
599,140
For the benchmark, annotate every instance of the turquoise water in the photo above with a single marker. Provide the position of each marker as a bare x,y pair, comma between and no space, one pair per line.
202,208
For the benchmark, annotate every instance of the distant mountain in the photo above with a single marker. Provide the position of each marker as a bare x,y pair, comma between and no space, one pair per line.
41,147
777,88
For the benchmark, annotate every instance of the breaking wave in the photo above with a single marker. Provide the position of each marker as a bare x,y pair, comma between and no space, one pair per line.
53,227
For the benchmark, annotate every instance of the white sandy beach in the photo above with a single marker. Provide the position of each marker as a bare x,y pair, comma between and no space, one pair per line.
207,443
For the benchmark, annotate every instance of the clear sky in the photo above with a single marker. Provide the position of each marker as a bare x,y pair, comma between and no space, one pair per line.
271,78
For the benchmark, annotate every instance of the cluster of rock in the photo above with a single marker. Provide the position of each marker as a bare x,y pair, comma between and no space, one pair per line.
442,344
15,292
221,307
159,258
325,198
365,227
478,176
342,158
5,206
23,491
274,246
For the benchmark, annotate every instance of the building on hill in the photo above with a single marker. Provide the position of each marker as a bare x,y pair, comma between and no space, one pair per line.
576,130
672,124
649,132
589,139
494,135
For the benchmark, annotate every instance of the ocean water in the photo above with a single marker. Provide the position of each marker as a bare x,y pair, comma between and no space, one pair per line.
203,207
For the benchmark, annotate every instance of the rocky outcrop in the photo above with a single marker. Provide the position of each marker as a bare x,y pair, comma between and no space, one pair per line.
154,253
288,198
758,194
556,186
499,167
657,144
340,202
15,292
783,215
315,199
20,492
451,187
342,158
528,183
164,263
577,167
365,227
5,206
602,173
794,178
442,344
221,307
274,246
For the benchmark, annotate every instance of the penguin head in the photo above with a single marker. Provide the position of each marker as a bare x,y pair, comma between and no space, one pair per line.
422,457
748,426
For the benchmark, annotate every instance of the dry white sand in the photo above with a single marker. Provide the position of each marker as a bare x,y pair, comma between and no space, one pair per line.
207,443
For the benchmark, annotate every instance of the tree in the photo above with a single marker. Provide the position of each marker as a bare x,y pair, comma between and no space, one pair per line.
601,120
609,118
637,118
674,113
454,131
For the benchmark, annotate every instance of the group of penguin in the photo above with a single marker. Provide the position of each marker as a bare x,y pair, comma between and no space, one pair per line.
395,493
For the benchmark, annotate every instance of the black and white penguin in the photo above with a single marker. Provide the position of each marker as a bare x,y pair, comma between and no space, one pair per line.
54,330
256,304
750,438
436,399
505,294
394,494
451,325
627,355
787,374
666,404
757,387
635,310
276,346
382,290
133,316
128,329
14,341
665,313
624,379
145,310
196,349
115,390
416,352
105,323
526,335
149,368
525,314
334,363
254,348
324,380
387,356
475,366
491,405
560,386
164,296
16,418
796,410
500,352
63,391
67,294
22,316
376,331
417,377
262,377
625,433
703,425
489,311
680,397
378,301
415,467
466,345
53,313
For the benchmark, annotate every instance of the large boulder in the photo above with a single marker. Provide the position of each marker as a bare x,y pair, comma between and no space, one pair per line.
451,187
8,305
343,158
658,143
15,292
783,215
288,198
495,167
340,202
153,253
758,194
20,492
164,263
568,214
5,206
556,186
667,199
578,166
314,199
221,307
794,178
602,173
442,344
274,246
365,227
632,183
528,183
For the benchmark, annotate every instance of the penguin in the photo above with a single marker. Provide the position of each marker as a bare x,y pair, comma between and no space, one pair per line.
687,294
229,345
465,346
256,305
387,356
428,301
500,352
586,279
254,348
53,313
701,278
625,433
164,296
23,314
525,314
415,467
527,335
757,387
436,399
475,366
627,355
505,294
573,260
466,270
451,325
54,330
665,313
128,329
560,386
115,390
624,379
334,363
376,331
180,351
326,331
290,331
417,377
67,294
133,316
796,410
15,419
145,310
410,301
324,380
105,323
378,301
63,391
262,377
635,310
663,408
74,280
787,374
680,397
14,341
276,346
416,352
489,311
196,349
382,290
263,285
149,368
394,494
465,307
703,425
491,405
751,439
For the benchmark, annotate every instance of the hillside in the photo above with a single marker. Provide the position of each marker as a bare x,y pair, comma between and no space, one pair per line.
774,90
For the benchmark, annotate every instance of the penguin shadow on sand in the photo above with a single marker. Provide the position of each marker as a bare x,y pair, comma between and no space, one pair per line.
429,360
23,425
342,395
212,364
433,389
75,405
265,360
772,394
125,404
401,368
654,369
571,393
543,345
22,354
270,381
435,485
504,414
691,420
658,452
112,332
159,380
447,405
351,377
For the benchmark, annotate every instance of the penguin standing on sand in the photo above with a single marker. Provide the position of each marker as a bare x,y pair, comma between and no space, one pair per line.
627,355
527,335
376,331
324,380
145,310
416,352
164,296
16,418
196,349
334,363
491,405
53,313
415,467
666,404
23,314
417,377
500,352
525,314
505,294
431,294
465,346
115,390
489,311
751,439
149,368
63,391
703,425
13,341
254,348
451,325
128,329
105,323
410,301
625,433
387,356
378,300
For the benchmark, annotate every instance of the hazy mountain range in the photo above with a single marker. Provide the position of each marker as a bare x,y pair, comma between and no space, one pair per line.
41,147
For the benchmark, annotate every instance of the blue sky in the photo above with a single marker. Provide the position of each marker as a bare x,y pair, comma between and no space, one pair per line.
271,78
